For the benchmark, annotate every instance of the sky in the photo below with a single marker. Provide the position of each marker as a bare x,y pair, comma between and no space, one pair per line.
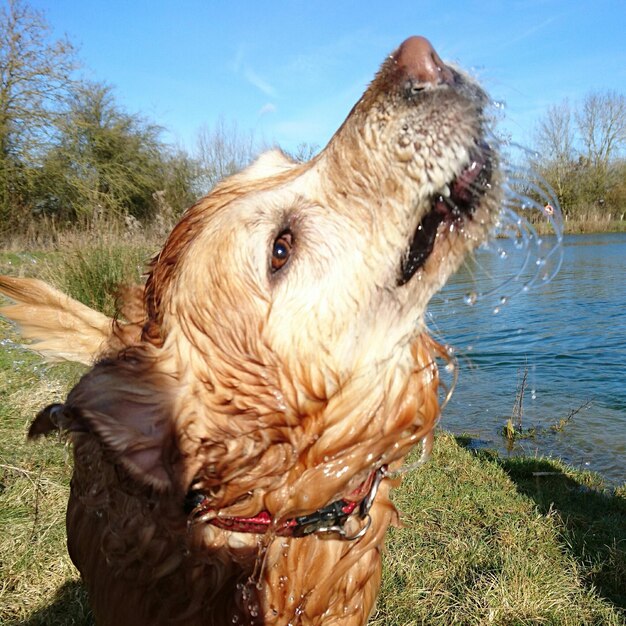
289,71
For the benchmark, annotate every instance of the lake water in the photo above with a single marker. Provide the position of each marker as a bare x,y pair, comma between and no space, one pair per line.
570,334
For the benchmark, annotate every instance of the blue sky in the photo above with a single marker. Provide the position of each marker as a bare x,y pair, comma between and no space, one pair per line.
291,70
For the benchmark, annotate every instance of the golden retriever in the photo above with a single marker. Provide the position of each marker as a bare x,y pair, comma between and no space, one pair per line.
233,441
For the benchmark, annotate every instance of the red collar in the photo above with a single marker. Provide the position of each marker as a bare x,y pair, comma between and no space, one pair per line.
330,519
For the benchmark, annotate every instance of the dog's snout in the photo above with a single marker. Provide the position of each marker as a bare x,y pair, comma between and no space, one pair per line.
417,59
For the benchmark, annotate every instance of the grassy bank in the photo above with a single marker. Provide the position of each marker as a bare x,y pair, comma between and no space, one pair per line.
575,227
89,267
486,540
497,541
578,227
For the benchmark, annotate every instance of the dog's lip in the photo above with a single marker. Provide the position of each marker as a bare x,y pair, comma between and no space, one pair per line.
455,202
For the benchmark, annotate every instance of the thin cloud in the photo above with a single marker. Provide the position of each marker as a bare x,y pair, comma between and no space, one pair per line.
267,109
239,66
531,31
237,62
260,83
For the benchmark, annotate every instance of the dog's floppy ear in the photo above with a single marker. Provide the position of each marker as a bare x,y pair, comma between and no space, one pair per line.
59,327
125,403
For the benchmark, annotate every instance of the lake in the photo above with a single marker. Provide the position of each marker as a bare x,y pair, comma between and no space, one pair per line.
570,337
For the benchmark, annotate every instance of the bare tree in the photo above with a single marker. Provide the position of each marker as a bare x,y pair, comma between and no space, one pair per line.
601,122
602,126
34,79
555,142
304,152
221,151
555,134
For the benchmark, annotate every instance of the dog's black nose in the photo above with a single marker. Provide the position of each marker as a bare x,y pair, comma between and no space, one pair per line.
418,60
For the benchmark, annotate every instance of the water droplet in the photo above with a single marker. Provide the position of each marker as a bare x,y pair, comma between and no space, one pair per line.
470,298
496,310
503,300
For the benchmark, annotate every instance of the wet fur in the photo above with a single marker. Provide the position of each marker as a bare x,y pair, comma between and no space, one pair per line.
277,392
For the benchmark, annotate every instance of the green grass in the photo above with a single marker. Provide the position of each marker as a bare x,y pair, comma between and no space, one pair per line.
34,486
479,547
93,275
486,540
90,270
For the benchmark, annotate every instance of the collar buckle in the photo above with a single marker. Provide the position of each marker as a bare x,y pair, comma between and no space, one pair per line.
327,520
331,519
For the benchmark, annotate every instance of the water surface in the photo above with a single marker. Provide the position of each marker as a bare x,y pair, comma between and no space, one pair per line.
570,334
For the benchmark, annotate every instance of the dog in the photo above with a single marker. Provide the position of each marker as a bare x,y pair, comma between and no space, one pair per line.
234,442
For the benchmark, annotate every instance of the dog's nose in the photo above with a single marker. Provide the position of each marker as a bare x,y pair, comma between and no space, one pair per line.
418,59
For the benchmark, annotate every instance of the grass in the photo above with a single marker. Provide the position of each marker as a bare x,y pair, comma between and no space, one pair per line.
34,486
91,269
479,546
486,540
93,275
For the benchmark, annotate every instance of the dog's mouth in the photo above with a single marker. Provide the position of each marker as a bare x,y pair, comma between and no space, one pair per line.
454,203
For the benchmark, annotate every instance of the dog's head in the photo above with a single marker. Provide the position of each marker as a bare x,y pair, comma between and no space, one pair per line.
284,355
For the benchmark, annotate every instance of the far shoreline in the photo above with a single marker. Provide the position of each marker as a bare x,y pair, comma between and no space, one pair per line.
580,227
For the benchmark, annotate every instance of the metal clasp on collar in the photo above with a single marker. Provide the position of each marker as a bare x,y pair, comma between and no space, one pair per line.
364,509
368,501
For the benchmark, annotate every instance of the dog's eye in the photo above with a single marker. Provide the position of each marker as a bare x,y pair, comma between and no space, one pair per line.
281,250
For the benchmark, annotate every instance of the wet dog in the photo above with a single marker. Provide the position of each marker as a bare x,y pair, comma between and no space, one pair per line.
233,441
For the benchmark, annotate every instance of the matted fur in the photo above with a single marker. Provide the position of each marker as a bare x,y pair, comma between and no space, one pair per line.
277,392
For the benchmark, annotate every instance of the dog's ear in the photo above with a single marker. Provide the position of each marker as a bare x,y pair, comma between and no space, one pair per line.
53,418
126,404
59,327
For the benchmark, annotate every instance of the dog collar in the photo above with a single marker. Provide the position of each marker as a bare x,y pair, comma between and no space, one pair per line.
329,519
